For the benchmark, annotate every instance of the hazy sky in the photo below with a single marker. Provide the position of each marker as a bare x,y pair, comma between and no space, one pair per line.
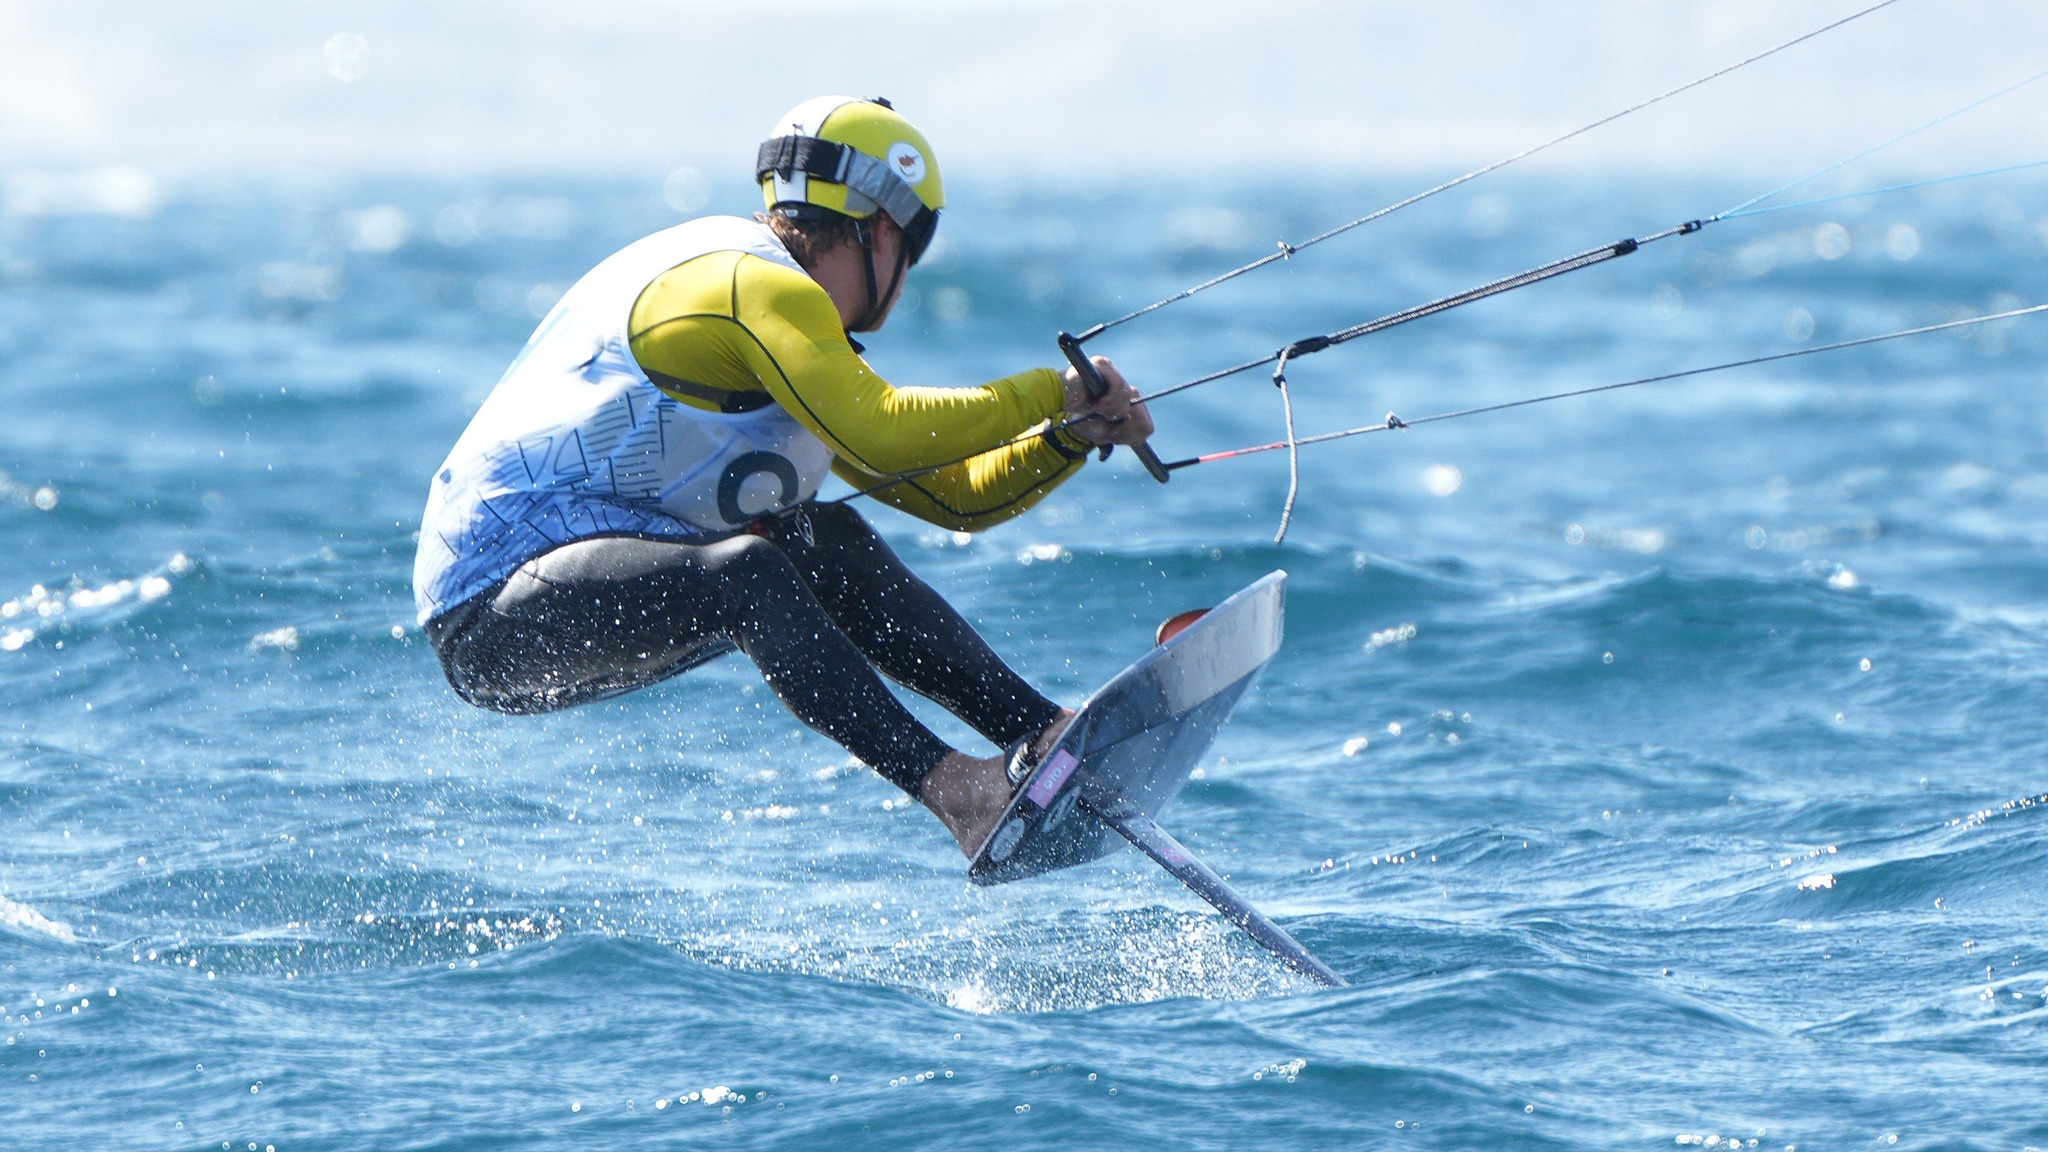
1315,89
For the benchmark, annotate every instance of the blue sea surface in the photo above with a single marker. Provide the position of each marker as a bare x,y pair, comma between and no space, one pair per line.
1663,768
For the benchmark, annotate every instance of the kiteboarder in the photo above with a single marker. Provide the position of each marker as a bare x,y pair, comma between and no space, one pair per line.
637,494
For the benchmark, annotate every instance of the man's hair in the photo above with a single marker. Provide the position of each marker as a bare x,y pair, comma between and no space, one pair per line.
808,240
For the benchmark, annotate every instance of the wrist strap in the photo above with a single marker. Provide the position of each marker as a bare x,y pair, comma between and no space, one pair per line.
1051,436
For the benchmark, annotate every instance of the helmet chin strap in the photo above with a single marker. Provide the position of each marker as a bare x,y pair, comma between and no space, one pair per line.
878,301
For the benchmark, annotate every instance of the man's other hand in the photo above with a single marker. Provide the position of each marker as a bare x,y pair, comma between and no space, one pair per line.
1117,418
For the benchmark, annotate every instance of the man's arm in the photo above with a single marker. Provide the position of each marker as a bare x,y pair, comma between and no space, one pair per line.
977,493
880,432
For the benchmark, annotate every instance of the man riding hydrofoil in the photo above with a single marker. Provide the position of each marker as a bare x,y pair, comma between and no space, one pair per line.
637,494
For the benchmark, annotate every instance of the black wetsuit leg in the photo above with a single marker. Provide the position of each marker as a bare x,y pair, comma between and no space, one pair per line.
907,630
601,616
814,605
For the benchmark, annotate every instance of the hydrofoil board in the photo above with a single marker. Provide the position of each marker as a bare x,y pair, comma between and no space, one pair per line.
1130,750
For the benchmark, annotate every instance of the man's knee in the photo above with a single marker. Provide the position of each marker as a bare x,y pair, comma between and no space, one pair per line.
487,676
751,568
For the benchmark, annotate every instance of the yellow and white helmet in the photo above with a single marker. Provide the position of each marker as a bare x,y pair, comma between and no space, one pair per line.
853,157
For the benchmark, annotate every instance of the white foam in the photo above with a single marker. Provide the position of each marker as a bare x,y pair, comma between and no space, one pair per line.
23,918
285,639
40,608
972,997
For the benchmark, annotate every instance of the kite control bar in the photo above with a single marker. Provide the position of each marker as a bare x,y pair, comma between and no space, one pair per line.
1097,389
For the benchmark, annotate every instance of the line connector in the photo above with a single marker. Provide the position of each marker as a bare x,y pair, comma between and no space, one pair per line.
1691,226
1394,422
1304,347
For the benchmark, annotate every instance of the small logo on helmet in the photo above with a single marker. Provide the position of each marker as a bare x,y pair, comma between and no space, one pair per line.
906,161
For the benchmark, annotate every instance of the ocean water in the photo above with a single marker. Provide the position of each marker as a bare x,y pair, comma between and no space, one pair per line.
1663,768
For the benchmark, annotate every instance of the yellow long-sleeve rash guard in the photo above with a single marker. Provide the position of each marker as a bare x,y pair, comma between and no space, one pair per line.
719,331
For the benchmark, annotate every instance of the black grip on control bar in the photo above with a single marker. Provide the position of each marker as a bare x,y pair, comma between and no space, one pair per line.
1098,387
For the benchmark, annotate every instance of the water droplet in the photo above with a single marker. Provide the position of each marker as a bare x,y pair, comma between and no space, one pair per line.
379,229
348,57
1831,241
1902,242
540,300
951,304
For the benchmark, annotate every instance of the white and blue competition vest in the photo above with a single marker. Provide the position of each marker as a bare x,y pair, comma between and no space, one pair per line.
576,442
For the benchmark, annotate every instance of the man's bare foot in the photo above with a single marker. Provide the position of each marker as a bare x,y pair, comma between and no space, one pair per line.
968,794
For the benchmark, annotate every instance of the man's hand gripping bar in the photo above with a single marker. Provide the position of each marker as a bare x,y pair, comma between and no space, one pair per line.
1097,388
